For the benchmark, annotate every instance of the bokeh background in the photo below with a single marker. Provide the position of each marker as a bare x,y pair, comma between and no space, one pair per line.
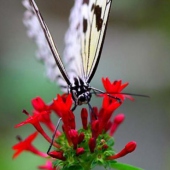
137,50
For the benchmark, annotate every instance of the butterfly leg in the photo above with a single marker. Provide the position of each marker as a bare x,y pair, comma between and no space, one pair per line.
91,112
54,135
74,107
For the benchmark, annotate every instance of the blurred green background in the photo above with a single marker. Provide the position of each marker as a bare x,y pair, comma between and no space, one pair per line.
137,50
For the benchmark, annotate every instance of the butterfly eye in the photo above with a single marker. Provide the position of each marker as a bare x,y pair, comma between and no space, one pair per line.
82,98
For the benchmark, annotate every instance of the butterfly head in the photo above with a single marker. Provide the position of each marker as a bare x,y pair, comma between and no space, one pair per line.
80,91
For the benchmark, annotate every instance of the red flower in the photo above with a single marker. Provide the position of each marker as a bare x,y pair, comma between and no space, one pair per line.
130,147
108,126
34,120
115,89
110,106
68,119
62,104
39,104
105,114
45,118
72,143
48,166
26,145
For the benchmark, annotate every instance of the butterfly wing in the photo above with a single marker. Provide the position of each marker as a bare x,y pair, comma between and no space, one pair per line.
47,52
85,36
83,40
72,52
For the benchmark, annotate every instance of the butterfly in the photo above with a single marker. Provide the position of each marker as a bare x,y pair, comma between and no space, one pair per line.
83,46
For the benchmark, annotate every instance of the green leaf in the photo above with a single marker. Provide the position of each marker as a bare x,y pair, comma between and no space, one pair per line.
121,166
76,167
93,164
110,142
108,152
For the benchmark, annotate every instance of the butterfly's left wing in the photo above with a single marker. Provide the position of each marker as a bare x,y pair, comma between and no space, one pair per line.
85,36
47,52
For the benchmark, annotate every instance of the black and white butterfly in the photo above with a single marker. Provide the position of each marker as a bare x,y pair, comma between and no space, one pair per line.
83,46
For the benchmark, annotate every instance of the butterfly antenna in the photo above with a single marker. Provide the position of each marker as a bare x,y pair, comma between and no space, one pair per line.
54,135
139,95
97,91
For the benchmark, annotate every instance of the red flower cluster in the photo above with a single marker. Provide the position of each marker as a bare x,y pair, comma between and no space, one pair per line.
89,143
115,89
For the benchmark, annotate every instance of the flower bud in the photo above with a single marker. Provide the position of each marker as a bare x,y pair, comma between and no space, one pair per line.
116,122
57,155
130,147
74,137
92,144
84,116
80,137
79,151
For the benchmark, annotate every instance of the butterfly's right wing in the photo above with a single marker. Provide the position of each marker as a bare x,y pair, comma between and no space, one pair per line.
47,51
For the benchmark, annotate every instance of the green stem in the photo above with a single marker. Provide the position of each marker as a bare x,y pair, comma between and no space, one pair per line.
87,165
